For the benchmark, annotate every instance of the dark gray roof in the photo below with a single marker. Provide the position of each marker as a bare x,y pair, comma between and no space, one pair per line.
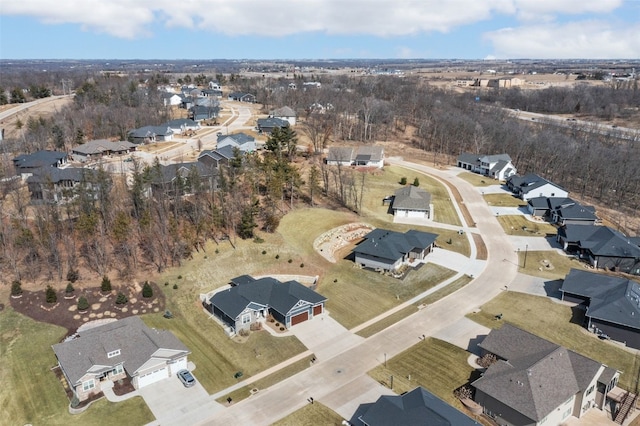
226,152
285,111
56,175
239,138
267,292
538,202
39,159
101,145
391,245
501,164
136,341
469,158
612,299
242,279
530,182
600,240
576,212
373,152
418,407
271,122
412,198
536,376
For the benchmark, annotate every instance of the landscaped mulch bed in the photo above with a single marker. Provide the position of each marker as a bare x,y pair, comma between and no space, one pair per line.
101,306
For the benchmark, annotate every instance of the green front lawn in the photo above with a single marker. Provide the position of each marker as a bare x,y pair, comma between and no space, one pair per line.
547,264
30,391
436,365
558,323
312,414
478,180
503,200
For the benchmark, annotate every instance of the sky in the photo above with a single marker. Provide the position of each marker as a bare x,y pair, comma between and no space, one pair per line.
319,29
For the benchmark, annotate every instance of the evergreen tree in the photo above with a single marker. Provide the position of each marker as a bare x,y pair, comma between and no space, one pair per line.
105,286
50,295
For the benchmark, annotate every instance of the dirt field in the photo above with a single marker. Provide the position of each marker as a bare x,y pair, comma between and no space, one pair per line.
45,110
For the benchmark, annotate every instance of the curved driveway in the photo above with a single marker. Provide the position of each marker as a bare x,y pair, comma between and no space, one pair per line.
341,379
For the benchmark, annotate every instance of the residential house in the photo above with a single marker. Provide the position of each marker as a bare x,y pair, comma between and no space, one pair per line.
181,126
365,155
121,350
170,99
563,211
212,93
25,164
149,134
242,141
612,304
214,85
266,125
200,112
536,382
412,202
242,97
101,147
532,185
498,166
216,158
53,185
285,113
389,250
602,247
177,179
417,407
252,300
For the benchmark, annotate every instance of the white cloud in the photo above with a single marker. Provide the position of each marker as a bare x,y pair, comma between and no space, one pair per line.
587,39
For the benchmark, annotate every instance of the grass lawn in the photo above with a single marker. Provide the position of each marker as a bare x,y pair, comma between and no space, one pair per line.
520,225
312,414
503,200
478,180
559,264
30,391
266,382
358,295
387,181
436,365
553,321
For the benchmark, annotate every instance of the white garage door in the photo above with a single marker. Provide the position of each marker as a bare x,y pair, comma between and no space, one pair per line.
152,377
180,364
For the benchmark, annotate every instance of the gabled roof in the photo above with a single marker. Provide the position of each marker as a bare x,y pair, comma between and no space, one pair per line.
371,152
38,159
169,172
476,159
500,165
535,376
238,138
612,299
341,153
151,131
418,407
411,198
56,175
137,344
272,122
530,182
101,145
496,158
181,122
391,245
600,240
361,153
538,202
267,292
576,211
285,111
469,158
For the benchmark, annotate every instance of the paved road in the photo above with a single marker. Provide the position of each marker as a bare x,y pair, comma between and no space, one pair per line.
338,381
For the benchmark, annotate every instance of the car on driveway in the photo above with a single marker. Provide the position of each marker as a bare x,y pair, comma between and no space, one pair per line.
186,378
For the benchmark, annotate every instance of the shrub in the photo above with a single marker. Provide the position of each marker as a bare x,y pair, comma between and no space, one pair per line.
277,256
166,283
50,295
75,401
281,328
69,289
121,299
403,181
105,285
72,275
264,252
335,281
179,277
416,182
290,260
147,291
258,240
16,288
175,286
302,265
83,304
217,251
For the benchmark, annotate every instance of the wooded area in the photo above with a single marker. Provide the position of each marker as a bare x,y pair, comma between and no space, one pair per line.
112,226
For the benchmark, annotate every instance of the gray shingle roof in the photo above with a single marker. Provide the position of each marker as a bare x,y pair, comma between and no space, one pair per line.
536,376
239,138
600,240
170,171
181,122
267,292
101,145
271,122
136,341
391,245
285,111
39,159
56,175
418,407
412,198
341,153
612,299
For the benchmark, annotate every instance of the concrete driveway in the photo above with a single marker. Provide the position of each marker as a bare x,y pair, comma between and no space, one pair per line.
168,399
325,337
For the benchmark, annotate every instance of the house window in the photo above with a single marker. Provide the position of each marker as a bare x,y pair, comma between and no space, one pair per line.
117,370
566,413
589,390
113,353
88,385
246,318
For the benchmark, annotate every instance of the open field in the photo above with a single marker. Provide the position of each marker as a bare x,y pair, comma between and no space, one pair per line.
503,200
438,366
478,180
558,323
520,225
560,265
30,391
312,414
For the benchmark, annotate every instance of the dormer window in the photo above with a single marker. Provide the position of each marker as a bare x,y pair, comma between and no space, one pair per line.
113,353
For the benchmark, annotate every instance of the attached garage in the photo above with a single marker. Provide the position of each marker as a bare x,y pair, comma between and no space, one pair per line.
153,376
297,319
317,310
177,365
